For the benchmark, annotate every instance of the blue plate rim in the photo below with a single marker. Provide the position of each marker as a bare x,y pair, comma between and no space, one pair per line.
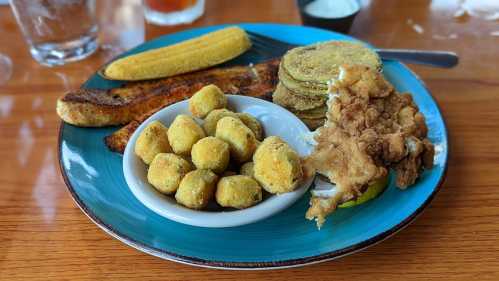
257,265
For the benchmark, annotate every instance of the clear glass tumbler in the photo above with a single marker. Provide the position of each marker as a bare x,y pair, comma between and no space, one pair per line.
57,31
172,12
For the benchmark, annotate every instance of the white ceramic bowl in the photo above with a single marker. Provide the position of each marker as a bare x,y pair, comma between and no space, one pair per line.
276,121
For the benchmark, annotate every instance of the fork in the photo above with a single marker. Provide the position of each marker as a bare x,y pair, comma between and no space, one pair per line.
270,47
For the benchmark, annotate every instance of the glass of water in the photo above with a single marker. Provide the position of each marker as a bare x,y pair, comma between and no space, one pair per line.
57,31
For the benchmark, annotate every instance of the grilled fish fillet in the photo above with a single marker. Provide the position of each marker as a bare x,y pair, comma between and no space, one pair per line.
118,106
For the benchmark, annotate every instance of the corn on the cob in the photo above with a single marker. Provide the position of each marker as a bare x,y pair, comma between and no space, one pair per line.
194,54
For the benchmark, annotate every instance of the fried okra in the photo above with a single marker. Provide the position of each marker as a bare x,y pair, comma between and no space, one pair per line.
166,171
196,189
151,141
183,133
238,192
277,166
211,153
241,140
207,99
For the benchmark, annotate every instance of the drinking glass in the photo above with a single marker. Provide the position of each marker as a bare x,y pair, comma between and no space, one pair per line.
5,68
121,26
57,31
172,12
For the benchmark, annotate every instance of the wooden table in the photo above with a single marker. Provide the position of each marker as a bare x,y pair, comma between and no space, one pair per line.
44,236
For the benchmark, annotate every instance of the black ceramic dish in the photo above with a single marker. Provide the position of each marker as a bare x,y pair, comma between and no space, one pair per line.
341,24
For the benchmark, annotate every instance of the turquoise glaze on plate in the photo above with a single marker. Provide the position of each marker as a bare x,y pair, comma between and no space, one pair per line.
95,179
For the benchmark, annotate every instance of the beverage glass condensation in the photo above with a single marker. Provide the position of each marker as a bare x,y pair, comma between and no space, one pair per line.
57,31
173,12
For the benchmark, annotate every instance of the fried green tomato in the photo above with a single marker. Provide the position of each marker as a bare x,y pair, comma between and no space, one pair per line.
238,192
166,171
211,153
151,141
207,99
196,189
373,191
241,140
277,167
184,132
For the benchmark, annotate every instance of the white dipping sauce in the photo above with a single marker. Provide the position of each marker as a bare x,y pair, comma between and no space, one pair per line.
332,8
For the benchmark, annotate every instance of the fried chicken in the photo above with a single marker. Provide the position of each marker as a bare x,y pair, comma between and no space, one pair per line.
370,128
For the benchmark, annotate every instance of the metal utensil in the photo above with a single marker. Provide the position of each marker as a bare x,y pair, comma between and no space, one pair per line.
273,48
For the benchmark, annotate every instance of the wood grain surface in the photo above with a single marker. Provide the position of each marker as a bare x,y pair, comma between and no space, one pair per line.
44,236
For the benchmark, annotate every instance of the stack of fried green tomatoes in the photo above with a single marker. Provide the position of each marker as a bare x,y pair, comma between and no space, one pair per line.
304,74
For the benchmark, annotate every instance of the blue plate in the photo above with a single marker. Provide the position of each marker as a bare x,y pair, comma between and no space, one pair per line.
95,179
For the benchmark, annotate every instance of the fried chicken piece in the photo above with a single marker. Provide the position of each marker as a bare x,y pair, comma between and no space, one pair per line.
370,129
345,161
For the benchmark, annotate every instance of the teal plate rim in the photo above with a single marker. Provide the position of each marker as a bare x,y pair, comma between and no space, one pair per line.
168,255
